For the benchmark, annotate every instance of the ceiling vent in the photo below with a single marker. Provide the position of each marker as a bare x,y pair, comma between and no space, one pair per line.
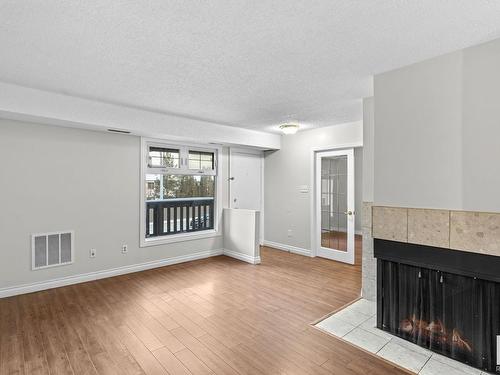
52,249
120,131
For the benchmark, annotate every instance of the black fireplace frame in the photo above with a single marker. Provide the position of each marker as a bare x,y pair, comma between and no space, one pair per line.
464,263
467,264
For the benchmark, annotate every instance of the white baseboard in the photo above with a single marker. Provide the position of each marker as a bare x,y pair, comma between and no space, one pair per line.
242,257
69,280
289,248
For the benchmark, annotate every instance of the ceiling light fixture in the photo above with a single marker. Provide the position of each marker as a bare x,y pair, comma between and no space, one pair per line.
289,128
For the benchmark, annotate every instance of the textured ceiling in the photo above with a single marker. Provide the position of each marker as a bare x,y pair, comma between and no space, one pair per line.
246,63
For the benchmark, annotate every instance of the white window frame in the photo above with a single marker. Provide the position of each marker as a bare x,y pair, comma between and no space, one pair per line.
184,149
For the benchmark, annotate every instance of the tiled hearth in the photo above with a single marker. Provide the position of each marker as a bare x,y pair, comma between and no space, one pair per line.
356,324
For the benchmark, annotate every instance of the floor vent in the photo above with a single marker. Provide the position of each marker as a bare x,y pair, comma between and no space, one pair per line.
52,249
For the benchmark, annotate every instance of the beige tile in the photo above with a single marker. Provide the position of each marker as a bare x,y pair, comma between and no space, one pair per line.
476,232
429,227
390,223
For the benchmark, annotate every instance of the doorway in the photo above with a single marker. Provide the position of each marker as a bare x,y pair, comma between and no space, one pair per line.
335,211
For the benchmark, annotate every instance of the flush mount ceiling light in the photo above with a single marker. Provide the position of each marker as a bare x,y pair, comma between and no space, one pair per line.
289,128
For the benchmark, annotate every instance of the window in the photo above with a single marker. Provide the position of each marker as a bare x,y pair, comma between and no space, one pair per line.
180,189
163,157
201,160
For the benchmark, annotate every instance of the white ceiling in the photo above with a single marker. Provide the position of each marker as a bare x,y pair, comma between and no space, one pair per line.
252,64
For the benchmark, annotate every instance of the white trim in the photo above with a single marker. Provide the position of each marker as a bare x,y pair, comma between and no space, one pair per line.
338,255
357,231
337,147
244,150
259,153
183,168
312,200
181,237
312,179
69,280
261,217
243,257
289,248
217,231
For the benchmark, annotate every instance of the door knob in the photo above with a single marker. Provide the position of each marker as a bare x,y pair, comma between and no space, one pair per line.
349,213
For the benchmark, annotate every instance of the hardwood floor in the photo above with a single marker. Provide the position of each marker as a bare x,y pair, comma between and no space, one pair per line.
213,316
338,241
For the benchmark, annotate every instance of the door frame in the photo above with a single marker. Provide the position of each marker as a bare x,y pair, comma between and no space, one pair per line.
312,180
248,151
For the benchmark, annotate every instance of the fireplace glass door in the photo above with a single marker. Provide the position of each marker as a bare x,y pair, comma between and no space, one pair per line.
450,314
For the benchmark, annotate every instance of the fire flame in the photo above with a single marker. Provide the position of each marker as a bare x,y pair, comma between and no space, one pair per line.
434,330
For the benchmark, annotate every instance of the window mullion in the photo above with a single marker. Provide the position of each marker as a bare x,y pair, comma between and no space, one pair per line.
184,153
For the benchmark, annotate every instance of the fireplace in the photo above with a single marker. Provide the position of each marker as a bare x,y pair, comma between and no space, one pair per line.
444,300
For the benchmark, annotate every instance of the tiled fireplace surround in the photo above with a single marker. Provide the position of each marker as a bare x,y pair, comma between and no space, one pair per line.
475,232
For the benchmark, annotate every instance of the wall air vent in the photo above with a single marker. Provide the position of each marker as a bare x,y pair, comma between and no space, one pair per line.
52,249
119,131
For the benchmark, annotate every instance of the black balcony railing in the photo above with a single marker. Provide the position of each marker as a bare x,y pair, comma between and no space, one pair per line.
178,215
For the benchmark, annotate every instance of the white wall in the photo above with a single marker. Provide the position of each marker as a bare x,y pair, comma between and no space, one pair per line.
437,132
288,169
481,127
242,234
418,136
368,149
369,264
56,178
358,186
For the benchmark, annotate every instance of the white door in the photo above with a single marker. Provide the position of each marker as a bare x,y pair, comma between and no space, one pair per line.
245,179
245,182
335,205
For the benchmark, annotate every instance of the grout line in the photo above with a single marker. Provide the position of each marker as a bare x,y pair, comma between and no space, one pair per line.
391,363
345,334
383,347
425,364
449,229
407,225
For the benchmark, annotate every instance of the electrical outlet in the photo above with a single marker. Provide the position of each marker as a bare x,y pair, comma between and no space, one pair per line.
289,233
124,249
93,253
